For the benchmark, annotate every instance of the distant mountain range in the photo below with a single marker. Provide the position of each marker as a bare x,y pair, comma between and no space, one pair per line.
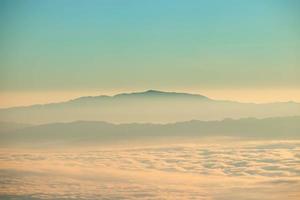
96,133
150,106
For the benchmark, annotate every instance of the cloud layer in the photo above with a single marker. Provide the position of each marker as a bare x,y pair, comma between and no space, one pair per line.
240,170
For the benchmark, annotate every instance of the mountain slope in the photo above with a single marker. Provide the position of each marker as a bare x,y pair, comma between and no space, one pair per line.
11,126
145,107
91,133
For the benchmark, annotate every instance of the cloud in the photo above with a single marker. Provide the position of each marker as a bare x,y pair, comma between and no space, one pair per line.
244,170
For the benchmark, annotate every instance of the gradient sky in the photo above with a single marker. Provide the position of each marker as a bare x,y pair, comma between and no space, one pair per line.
70,46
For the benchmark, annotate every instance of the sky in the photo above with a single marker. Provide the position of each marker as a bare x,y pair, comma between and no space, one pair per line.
239,50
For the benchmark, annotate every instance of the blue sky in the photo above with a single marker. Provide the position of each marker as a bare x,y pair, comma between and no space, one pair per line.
111,44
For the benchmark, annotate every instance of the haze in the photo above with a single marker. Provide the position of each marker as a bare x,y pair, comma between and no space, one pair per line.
133,99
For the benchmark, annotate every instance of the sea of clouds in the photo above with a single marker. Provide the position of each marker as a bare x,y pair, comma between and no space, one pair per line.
244,170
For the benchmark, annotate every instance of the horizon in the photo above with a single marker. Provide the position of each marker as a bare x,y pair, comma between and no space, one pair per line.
28,99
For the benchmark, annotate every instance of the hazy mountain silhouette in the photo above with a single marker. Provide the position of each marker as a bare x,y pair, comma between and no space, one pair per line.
92,132
11,126
161,94
151,106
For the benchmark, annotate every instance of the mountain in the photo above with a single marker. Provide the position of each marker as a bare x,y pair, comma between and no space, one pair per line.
160,94
11,126
96,133
150,106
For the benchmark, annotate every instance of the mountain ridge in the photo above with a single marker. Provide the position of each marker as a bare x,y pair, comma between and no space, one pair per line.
150,106
92,132
150,92
145,93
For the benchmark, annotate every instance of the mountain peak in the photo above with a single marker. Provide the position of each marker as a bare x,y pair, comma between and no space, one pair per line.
153,91
158,93
147,93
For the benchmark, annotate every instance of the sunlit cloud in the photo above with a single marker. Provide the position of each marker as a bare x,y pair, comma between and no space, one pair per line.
185,171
